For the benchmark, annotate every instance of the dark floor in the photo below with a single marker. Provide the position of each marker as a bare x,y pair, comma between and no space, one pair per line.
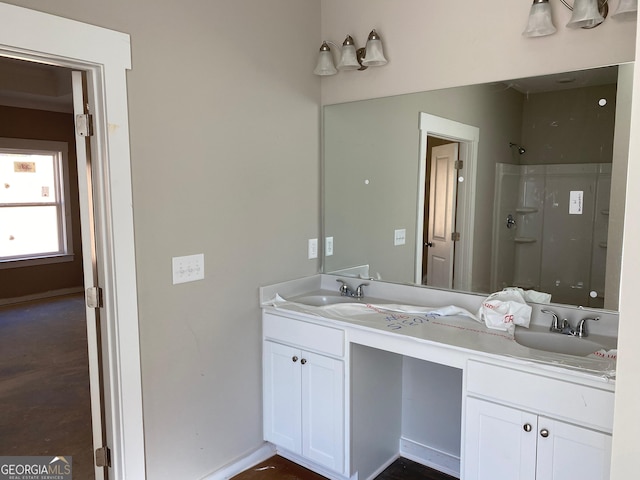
282,469
44,382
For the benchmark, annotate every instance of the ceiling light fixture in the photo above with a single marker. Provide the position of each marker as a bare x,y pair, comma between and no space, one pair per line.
351,58
585,14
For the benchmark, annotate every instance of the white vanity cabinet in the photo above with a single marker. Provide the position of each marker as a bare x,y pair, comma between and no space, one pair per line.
304,389
522,426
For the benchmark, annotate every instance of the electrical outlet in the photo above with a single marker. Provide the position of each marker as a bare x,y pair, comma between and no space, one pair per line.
400,237
313,248
188,269
328,246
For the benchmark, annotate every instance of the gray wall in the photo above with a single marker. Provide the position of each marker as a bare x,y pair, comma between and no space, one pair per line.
224,145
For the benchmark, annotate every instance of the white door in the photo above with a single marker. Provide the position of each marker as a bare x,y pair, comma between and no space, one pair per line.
499,443
91,276
281,390
568,452
323,410
442,209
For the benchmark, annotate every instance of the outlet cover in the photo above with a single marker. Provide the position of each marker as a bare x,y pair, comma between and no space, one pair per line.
328,246
313,248
188,269
400,237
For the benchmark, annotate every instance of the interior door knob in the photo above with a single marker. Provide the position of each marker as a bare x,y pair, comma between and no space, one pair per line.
428,244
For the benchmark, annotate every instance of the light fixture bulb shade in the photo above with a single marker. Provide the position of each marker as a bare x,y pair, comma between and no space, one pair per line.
348,58
373,56
585,14
325,64
540,22
627,10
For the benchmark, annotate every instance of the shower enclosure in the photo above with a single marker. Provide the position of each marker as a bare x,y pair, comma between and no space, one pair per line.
550,230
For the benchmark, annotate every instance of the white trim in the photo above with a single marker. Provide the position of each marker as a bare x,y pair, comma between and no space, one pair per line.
105,55
468,137
263,453
41,296
430,457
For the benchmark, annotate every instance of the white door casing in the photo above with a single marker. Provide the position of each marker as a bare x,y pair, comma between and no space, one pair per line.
442,195
467,136
104,55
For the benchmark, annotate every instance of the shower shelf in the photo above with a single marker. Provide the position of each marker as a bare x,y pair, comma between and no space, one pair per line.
526,210
524,240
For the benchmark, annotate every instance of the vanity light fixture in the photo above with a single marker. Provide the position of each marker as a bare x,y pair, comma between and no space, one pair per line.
585,14
351,58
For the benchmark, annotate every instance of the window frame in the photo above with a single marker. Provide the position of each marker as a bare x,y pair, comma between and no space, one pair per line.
63,205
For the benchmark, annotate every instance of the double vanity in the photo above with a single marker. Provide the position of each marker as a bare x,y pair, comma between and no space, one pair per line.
351,382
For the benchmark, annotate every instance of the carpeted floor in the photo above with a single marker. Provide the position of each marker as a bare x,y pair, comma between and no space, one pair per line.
44,382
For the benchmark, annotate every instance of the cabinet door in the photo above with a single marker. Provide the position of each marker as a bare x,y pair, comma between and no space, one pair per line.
499,442
323,410
568,452
281,390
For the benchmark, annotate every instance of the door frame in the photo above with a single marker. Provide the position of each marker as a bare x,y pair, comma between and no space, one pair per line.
467,136
105,56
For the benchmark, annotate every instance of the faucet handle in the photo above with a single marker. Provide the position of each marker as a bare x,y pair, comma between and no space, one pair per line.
555,323
359,291
581,327
344,289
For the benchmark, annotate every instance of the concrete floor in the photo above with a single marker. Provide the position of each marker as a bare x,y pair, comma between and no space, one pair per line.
44,382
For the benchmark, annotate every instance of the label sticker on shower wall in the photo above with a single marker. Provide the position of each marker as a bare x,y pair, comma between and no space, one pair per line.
575,202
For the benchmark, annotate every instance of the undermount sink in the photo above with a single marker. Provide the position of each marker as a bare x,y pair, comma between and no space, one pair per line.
556,342
330,298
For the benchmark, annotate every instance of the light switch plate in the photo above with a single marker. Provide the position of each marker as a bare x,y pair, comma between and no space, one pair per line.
328,246
188,269
313,248
400,237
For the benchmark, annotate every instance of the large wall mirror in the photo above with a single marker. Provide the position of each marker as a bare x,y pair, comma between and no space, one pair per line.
476,188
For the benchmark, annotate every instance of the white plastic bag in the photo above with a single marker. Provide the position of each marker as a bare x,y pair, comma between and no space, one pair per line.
504,310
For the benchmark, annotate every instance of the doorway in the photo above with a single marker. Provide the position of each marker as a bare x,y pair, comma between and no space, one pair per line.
466,137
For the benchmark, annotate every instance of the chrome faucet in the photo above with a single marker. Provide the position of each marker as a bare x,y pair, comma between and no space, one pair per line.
345,291
557,326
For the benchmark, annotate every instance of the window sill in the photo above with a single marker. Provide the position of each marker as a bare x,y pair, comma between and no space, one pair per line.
35,261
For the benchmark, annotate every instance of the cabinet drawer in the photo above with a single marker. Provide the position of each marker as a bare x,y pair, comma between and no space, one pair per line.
548,396
303,334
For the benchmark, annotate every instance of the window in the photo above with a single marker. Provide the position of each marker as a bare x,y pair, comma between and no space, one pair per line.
34,203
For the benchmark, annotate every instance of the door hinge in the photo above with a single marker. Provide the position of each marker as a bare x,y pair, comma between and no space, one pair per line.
455,236
103,457
94,297
84,125
458,164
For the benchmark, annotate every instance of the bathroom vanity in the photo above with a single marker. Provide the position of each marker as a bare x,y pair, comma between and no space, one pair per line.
351,384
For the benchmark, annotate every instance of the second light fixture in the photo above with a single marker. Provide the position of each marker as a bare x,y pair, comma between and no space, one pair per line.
351,58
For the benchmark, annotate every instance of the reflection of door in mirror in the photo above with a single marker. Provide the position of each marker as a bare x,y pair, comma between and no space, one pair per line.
440,213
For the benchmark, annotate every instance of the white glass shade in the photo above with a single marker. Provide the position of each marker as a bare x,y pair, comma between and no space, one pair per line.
325,64
348,59
585,14
374,56
627,10
540,22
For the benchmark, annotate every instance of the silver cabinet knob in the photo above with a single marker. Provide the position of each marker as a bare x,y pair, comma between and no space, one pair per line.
294,358
303,361
544,433
527,427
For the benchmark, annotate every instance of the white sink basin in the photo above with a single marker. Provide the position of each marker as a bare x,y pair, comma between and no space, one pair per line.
556,342
330,298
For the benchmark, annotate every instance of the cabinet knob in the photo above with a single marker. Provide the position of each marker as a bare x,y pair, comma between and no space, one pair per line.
294,358
544,433
527,427
303,361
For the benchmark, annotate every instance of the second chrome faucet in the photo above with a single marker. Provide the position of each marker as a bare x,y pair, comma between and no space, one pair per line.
564,326
345,291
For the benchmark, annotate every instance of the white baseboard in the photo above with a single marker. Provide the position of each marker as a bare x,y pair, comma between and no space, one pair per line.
430,457
383,467
40,296
257,456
